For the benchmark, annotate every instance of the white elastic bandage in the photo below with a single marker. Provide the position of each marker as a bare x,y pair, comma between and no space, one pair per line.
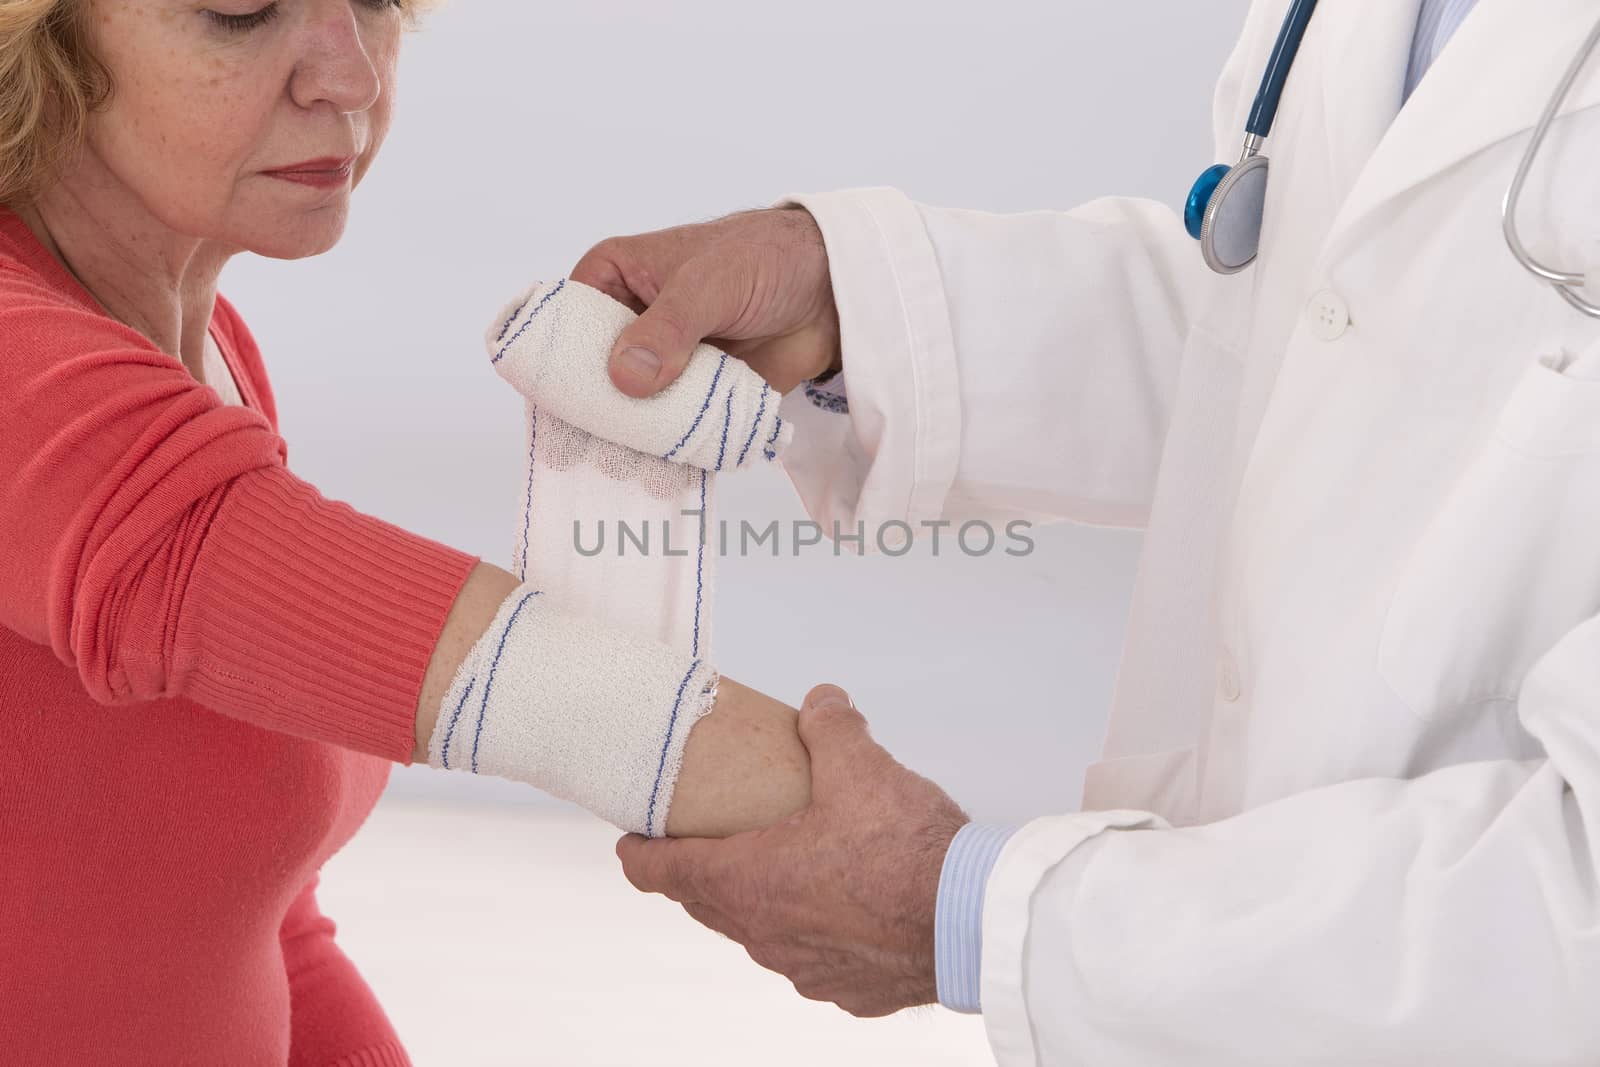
594,672
581,709
618,509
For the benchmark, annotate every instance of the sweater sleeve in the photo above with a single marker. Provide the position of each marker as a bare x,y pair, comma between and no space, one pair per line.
154,538
334,1019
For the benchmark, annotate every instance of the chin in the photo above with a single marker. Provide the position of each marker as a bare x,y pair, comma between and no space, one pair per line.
299,235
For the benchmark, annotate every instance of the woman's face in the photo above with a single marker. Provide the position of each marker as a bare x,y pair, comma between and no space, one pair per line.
245,122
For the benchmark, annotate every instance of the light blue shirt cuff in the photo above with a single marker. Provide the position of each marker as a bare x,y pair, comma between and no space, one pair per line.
958,915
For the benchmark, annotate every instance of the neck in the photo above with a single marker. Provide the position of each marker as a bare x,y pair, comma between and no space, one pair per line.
144,274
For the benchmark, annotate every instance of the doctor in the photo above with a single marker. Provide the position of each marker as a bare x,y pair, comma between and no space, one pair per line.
1349,806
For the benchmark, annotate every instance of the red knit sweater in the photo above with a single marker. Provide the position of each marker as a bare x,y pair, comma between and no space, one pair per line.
205,666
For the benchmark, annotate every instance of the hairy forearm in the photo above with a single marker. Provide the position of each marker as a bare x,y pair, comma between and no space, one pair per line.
743,767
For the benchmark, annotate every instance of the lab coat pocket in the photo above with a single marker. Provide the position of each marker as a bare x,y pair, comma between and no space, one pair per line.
1511,559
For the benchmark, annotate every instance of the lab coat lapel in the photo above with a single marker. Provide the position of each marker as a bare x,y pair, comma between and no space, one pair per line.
1490,83
1361,78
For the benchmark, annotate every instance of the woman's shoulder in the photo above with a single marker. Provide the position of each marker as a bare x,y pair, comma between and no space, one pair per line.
35,288
29,273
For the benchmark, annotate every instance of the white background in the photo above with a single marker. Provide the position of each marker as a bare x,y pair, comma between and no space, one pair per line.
526,132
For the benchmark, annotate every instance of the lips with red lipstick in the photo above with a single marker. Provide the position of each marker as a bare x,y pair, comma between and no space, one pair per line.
329,172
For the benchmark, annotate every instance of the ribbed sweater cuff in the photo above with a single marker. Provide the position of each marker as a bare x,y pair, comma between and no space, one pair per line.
310,618
388,1054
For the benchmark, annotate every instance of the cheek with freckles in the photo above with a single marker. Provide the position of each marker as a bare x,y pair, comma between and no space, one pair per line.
185,117
195,120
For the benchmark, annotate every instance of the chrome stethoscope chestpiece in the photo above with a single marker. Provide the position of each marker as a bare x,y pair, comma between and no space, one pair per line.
1230,233
1227,205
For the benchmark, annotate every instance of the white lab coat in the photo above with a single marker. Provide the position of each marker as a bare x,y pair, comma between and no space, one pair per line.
1349,807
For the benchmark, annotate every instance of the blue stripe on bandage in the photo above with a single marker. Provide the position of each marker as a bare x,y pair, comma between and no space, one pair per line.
507,327
483,708
666,746
706,404
727,422
776,430
700,564
444,751
527,517
756,425
562,284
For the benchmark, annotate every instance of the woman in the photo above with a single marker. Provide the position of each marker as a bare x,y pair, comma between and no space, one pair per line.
265,653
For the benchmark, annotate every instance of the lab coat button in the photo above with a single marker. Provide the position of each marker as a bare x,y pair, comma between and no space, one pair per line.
1228,680
1328,315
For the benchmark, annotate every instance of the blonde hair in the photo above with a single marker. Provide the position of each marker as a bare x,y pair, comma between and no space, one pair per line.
49,83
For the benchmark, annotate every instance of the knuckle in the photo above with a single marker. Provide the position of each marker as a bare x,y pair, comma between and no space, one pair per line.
813,987
613,250
766,955
667,320
679,877
600,263
634,873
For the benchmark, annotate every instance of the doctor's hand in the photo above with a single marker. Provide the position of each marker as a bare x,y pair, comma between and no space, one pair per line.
754,284
838,899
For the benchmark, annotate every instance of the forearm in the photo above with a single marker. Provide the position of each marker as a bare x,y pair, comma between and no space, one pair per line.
743,764
744,767
486,588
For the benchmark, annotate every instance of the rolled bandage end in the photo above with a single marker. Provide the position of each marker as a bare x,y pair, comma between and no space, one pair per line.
553,345
585,711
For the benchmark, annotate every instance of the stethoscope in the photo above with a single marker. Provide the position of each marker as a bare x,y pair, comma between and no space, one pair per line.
1227,204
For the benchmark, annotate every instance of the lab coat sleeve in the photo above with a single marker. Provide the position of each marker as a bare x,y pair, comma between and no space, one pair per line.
1003,367
1449,919
997,367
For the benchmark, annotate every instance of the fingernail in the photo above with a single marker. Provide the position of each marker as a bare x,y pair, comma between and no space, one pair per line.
640,363
829,696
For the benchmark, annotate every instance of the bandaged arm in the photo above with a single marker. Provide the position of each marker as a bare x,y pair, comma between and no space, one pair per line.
155,540
742,763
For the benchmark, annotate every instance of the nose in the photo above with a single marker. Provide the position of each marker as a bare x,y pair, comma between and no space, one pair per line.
336,66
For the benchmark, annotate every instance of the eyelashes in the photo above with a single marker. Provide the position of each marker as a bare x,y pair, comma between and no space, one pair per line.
257,19
245,23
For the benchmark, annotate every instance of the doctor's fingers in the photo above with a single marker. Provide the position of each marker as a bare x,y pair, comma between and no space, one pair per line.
705,297
687,870
716,921
633,270
755,283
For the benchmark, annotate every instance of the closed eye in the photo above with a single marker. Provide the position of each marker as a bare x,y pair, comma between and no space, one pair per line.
258,18
247,22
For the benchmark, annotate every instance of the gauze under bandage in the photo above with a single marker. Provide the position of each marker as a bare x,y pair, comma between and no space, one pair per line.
595,670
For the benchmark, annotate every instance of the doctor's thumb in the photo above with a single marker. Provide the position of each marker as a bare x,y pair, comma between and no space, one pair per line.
836,736
654,349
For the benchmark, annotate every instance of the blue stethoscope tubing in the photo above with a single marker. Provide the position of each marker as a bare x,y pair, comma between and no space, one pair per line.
1226,204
